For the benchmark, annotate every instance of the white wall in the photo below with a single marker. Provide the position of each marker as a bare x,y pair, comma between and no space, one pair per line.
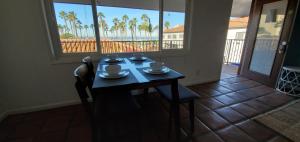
29,80
232,32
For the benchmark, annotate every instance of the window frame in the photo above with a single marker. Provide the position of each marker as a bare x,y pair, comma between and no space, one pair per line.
55,43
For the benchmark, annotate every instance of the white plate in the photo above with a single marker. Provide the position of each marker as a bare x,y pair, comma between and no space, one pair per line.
138,59
164,70
113,60
121,74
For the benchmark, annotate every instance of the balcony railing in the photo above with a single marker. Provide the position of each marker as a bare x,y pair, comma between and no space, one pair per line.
89,45
233,51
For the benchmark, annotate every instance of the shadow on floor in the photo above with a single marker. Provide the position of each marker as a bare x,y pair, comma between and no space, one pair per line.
224,112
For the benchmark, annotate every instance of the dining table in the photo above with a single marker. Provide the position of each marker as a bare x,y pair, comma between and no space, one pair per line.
138,79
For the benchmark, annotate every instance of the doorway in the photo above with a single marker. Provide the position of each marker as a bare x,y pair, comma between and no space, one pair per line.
270,22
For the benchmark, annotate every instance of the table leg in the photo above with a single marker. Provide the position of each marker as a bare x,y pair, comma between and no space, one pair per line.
176,110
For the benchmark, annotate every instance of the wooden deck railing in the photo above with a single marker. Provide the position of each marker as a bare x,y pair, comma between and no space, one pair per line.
89,45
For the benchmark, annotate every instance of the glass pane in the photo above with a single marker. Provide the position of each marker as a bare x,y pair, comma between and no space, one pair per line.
128,25
173,31
75,26
268,36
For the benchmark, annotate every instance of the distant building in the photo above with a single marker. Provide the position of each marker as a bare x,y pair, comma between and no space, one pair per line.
173,37
237,28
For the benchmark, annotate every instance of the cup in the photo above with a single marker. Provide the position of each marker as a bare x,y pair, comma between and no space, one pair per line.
138,56
156,66
113,69
112,57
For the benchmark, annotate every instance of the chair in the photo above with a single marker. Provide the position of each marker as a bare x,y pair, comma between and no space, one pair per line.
185,96
81,75
88,61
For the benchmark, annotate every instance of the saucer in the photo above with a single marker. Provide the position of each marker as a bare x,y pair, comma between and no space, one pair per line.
121,74
138,59
108,60
164,70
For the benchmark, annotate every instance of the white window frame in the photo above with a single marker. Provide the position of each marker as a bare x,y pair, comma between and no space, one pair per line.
56,49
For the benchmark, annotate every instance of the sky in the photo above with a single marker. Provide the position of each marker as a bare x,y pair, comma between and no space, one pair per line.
84,14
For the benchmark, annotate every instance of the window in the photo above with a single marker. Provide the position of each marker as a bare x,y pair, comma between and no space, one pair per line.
240,35
75,27
181,36
114,26
174,22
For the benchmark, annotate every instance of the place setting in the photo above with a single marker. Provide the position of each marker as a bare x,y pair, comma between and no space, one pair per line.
156,68
113,72
112,59
138,57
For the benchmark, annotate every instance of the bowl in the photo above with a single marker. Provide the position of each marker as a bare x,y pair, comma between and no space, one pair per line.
113,69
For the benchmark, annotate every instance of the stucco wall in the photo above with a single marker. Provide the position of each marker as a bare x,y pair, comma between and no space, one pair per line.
29,80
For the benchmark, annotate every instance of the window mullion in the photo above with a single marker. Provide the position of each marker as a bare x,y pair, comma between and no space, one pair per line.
96,25
161,5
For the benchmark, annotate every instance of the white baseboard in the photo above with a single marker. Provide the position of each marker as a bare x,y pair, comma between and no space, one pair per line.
37,108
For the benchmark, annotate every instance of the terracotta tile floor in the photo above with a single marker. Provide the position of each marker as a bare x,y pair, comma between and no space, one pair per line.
224,112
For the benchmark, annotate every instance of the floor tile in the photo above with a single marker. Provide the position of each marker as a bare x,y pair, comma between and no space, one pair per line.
210,92
225,100
218,88
209,137
230,114
242,85
245,110
238,97
213,120
20,140
235,79
257,130
233,134
258,106
199,108
211,103
79,134
200,128
274,100
280,139
51,137
56,123
27,129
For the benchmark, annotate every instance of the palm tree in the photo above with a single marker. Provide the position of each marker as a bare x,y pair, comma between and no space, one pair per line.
150,29
140,28
63,15
79,26
60,29
145,24
86,27
105,28
101,17
72,18
116,22
92,27
132,27
167,24
66,29
122,26
112,30
125,18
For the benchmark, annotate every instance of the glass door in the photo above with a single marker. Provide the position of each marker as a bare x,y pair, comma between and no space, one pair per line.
270,23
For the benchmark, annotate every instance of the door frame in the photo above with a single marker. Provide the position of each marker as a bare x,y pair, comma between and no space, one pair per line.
252,29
